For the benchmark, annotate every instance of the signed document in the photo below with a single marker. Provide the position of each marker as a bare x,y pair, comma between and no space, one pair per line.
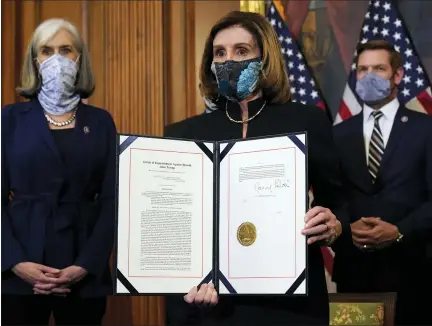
231,213
262,208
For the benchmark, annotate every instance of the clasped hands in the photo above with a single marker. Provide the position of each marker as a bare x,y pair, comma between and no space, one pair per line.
320,225
373,233
48,280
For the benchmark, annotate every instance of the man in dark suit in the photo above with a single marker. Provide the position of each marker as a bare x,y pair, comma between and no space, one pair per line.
386,158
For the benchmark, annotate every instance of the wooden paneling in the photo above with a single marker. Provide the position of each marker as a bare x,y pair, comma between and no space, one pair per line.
70,10
190,63
125,42
9,41
180,65
96,33
29,18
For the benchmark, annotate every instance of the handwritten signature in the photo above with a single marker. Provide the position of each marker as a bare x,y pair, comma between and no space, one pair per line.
268,188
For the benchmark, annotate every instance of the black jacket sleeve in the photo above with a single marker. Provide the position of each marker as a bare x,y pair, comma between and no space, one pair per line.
12,251
325,174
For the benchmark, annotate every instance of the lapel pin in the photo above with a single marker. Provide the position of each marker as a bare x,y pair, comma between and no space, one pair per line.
86,130
404,118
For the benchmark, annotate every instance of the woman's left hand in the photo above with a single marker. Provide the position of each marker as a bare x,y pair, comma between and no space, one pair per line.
72,274
320,225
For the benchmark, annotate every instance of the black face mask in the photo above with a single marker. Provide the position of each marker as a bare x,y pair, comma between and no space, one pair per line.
237,80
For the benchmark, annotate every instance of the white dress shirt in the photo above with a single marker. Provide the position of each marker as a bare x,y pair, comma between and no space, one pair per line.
385,122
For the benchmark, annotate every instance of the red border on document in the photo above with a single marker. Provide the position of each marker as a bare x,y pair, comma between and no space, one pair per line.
202,212
295,214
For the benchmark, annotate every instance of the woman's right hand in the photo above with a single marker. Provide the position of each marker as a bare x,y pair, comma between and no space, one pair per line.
206,296
34,273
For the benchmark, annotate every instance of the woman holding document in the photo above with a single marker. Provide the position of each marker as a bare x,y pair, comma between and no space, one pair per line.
243,73
58,159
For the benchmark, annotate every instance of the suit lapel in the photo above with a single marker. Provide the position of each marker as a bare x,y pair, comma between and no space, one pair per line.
84,135
357,155
41,128
82,127
399,126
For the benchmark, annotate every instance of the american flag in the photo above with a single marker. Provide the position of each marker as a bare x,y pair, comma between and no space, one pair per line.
382,22
303,89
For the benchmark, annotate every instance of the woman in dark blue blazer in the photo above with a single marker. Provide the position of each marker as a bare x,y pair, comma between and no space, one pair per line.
58,188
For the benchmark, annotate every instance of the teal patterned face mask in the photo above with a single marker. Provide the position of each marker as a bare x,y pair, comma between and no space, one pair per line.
237,80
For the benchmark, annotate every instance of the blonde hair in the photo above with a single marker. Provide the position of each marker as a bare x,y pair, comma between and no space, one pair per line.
30,79
274,81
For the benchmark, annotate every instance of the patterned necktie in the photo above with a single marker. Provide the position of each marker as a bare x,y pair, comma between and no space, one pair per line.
376,147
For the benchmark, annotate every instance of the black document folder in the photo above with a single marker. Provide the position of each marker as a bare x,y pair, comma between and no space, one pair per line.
191,212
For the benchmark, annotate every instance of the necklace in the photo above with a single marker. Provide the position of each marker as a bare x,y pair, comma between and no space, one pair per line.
62,123
246,120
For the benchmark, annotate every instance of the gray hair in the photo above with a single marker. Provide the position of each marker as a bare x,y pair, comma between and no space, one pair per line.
30,78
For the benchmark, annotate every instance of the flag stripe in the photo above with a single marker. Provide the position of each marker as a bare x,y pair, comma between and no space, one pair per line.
426,101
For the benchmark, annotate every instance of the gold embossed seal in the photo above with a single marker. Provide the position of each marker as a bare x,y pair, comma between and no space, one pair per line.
246,234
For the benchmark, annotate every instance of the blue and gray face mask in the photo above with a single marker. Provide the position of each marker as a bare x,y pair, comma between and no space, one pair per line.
373,89
57,94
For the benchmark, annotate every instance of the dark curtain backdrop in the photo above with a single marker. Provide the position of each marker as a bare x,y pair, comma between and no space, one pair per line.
328,31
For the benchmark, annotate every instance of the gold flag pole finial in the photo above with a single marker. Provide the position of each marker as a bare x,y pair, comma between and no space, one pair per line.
257,6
